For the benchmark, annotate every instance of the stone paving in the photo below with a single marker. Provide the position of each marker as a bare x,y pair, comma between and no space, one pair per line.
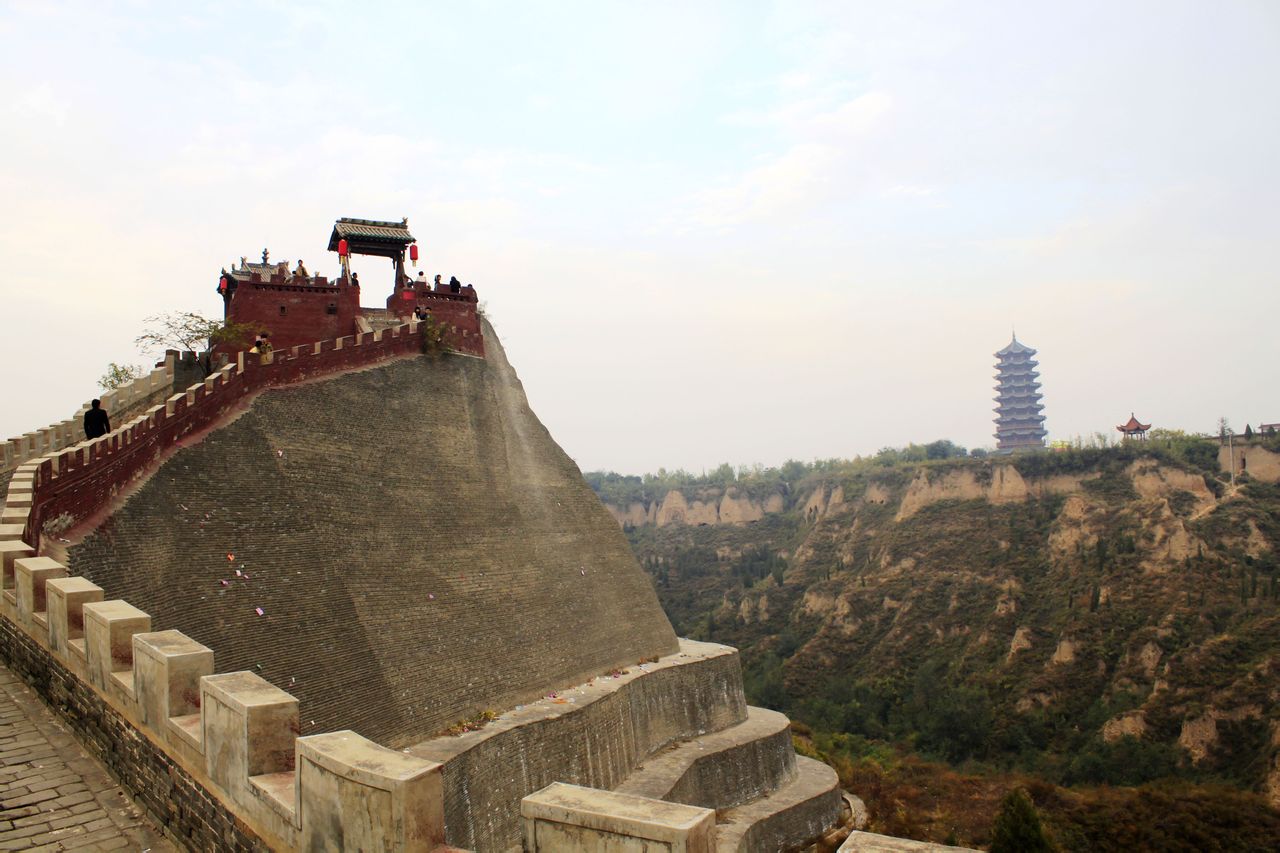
53,794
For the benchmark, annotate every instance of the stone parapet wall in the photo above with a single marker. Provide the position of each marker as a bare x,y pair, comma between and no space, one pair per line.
71,485
215,758
179,803
594,735
122,404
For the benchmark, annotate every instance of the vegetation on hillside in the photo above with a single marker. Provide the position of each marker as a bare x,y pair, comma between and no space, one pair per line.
1116,636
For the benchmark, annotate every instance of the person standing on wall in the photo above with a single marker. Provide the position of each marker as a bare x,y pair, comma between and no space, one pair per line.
96,421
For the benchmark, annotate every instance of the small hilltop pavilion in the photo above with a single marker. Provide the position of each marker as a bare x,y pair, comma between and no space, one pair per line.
1133,429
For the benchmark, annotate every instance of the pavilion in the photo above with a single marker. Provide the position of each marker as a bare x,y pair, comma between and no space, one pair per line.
1133,429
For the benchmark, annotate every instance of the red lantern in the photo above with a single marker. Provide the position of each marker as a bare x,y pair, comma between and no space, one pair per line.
222,284
413,254
342,247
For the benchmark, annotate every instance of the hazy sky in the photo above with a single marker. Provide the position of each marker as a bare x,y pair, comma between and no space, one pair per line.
706,232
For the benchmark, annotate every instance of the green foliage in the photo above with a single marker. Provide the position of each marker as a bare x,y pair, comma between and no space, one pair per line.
118,375
432,337
194,333
1127,761
1017,827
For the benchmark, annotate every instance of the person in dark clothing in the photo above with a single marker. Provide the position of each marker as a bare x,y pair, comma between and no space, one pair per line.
96,421
454,285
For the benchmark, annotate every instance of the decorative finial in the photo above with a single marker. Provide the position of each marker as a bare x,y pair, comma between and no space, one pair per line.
265,255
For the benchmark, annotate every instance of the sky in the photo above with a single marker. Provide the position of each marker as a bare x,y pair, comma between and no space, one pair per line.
705,232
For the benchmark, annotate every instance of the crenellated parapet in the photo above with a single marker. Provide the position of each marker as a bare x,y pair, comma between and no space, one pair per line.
67,485
234,735
64,434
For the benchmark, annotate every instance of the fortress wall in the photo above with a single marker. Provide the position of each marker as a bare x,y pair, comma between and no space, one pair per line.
164,788
295,313
420,547
72,485
214,758
610,728
122,404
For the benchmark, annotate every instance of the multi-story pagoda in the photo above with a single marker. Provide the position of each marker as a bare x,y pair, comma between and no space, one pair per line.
1019,422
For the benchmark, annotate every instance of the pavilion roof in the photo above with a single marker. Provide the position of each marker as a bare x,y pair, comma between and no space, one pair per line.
1133,425
372,236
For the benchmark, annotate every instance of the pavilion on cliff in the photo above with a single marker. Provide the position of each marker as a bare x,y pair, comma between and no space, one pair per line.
1019,422
1134,429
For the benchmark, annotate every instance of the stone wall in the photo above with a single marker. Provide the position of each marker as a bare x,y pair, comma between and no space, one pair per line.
610,728
173,798
420,548
122,404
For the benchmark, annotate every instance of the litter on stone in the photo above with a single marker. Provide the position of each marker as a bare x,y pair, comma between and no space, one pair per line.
231,558
258,610
225,582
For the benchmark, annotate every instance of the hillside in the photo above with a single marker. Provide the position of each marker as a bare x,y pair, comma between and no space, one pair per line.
401,547
1094,616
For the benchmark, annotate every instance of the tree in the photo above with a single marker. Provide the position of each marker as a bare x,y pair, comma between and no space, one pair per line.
1248,432
119,374
1224,428
189,331
1017,828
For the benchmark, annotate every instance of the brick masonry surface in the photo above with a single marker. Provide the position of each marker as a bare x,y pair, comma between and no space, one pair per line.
167,794
53,794
419,547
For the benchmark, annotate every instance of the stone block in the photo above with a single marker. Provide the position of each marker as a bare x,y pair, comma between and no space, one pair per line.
65,599
18,498
11,551
14,514
109,627
564,817
9,532
167,668
250,727
356,795
30,575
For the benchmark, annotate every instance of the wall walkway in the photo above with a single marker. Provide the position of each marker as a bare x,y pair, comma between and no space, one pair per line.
53,794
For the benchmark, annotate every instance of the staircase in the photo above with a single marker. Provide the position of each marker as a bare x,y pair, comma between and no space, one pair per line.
766,797
677,730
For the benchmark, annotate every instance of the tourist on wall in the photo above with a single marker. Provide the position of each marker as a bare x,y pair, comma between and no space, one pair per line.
96,421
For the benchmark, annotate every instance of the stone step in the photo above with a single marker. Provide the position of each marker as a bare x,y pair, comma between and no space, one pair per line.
869,842
790,818
723,769
593,734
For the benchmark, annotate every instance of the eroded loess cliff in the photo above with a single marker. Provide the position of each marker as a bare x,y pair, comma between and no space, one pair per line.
1028,613
400,547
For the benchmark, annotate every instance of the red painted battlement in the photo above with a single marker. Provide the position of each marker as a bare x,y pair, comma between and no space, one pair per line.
299,311
294,310
75,484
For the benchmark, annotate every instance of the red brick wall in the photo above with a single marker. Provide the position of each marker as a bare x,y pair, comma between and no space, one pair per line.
87,479
456,311
294,314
